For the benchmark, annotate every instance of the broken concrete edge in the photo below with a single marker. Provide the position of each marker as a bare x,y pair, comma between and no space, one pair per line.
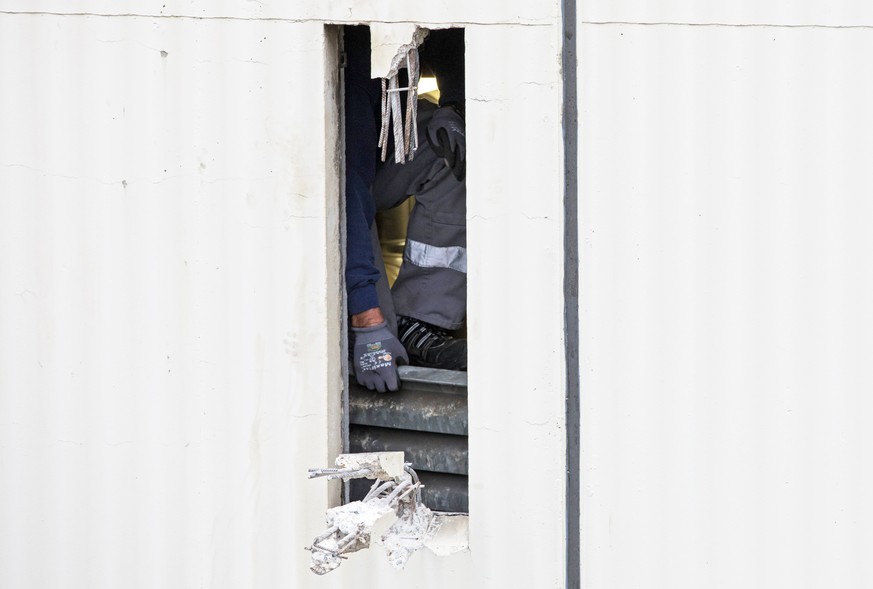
351,527
389,43
451,530
385,466
452,536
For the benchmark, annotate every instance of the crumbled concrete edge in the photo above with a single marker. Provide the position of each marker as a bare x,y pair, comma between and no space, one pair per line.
452,534
389,42
395,494
385,465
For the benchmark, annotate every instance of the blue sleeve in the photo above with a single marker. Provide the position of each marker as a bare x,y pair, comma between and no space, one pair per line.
362,103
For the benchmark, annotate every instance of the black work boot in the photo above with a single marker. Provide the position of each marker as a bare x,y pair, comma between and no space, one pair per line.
431,346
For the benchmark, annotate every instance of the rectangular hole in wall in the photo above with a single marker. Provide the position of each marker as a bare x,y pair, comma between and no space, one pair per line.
422,258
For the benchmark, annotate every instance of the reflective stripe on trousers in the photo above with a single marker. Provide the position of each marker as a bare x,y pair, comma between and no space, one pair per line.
425,255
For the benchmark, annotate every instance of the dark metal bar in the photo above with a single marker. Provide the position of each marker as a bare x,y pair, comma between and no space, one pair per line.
409,409
444,492
426,451
569,66
441,492
433,379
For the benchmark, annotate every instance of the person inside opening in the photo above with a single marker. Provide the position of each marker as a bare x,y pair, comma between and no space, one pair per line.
429,296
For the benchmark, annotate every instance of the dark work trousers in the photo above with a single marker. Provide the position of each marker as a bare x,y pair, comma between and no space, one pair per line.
432,283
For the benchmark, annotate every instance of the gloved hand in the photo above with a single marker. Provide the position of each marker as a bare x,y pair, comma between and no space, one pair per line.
376,355
445,134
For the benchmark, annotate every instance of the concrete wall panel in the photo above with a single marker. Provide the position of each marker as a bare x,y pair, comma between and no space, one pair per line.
842,13
170,300
162,356
725,312
341,11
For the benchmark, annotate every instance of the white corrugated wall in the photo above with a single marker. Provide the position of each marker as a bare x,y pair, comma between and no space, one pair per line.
169,294
170,299
154,362
726,294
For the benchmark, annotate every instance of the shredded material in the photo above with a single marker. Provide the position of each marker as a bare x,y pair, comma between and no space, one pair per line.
405,132
395,492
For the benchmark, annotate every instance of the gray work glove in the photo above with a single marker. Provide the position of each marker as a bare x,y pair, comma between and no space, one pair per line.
445,134
376,355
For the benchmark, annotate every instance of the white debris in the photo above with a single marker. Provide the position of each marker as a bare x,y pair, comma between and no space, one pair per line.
413,528
396,492
385,465
348,530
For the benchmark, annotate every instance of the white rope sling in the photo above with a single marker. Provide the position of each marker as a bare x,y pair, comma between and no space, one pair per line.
405,132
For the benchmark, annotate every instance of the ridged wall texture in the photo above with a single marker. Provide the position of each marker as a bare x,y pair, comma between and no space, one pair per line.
171,304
